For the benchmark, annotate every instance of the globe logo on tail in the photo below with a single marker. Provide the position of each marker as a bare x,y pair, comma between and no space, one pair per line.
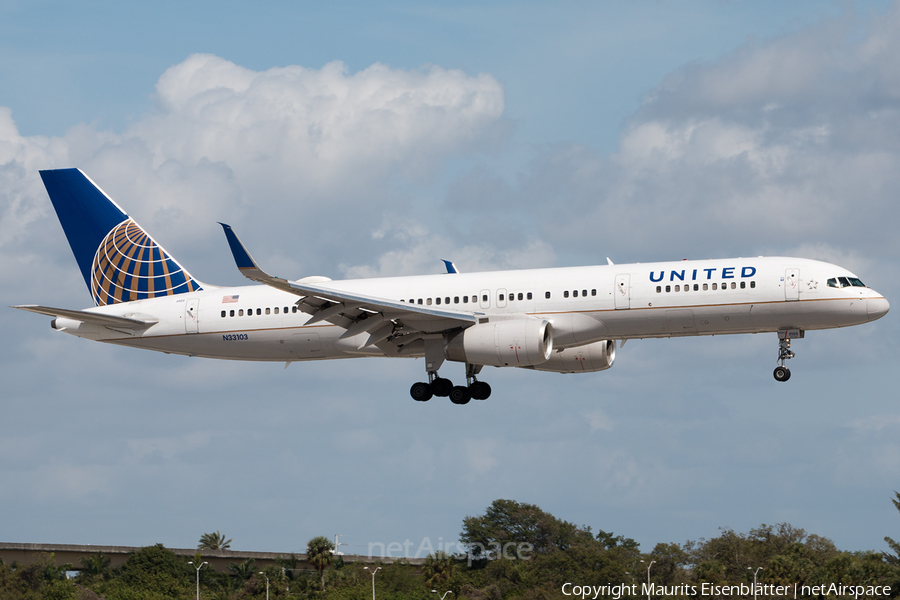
130,265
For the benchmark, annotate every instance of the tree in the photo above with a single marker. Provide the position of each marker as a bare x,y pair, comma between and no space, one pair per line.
894,558
95,565
158,570
213,541
508,522
241,573
320,553
437,570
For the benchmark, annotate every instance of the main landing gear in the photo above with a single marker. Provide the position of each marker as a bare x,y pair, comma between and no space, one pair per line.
782,373
458,394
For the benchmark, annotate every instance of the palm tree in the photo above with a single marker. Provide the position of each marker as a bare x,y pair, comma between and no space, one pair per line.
438,569
240,573
95,565
213,541
894,558
319,553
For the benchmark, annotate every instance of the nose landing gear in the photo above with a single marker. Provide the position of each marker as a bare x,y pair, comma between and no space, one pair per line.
782,373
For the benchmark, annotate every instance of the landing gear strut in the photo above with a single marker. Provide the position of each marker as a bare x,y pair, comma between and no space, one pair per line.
782,373
459,394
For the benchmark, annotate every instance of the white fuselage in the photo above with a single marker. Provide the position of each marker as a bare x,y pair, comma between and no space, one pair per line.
584,305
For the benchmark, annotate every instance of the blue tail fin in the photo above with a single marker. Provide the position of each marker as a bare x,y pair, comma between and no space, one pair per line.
120,262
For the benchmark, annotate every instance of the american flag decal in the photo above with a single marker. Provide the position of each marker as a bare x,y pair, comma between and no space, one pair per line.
228,299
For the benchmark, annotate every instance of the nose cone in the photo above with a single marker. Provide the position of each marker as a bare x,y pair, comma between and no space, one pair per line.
877,307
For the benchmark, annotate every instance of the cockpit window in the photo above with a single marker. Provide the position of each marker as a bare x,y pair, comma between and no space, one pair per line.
841,282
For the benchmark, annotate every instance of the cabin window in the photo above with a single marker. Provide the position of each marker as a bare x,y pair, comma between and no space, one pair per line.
231,313
484,298
223,313
547,295
420,301
677,288
268,311
715,286
658,289
500,297
584,293
566,294
743,285
733,285
696,287
447,300
455,299
276,310
705,286
241,312
293,309
529,295
668,288
436,301
832,282
574,293
752,284
428,301
465,299
594,292
520,296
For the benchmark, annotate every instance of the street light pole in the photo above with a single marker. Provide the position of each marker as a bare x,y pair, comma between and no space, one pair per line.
267,584
754,580
373,579
445,593
190,562
648,578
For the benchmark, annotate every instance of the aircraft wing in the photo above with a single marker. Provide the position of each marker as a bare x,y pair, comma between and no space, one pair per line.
381,318
86,316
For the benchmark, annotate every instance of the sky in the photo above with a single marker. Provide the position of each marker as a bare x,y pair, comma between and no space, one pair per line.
371,139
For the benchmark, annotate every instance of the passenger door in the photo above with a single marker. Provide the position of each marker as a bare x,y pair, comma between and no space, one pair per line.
792,284
623,291
192,315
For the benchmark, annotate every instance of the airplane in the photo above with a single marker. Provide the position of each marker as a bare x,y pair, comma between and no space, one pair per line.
561,320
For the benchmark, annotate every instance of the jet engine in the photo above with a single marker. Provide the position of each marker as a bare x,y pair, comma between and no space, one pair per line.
508,343
598,356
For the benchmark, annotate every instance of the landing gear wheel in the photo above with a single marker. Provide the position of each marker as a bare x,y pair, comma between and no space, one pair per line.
420,392
782,373
460,395
480,390
441,387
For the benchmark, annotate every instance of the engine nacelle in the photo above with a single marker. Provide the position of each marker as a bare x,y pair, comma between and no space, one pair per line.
598,356
508,343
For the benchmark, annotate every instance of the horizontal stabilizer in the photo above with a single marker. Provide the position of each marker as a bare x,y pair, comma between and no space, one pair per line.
87,316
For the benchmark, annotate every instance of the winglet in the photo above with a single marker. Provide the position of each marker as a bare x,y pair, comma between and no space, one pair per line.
451,268
242,258
248,266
